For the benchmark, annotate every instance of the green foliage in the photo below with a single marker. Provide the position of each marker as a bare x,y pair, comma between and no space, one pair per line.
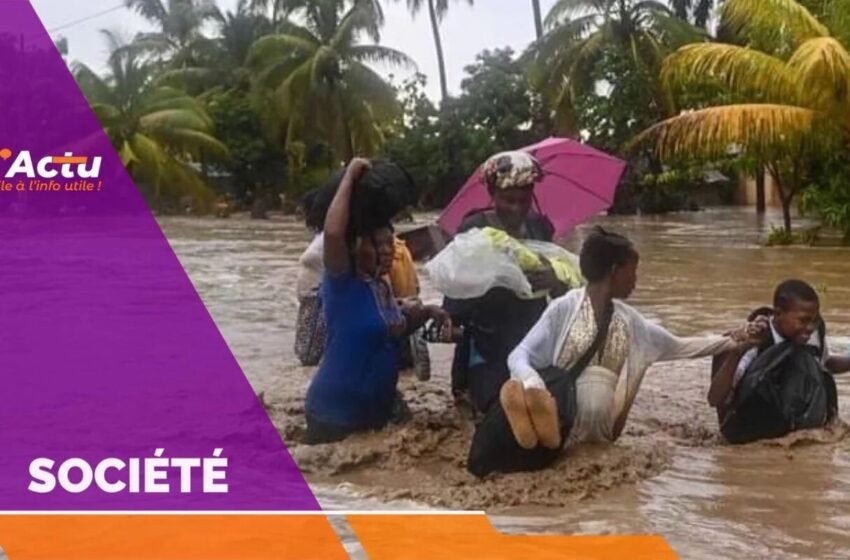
496,97
611,118
829,199
255,164
316,71
162,134
443,147
436,146
779,237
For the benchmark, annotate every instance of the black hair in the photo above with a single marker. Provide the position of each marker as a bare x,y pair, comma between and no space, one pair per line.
602,251
790,291
314,216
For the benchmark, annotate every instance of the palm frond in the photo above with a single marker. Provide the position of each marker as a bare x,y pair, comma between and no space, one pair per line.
95,87
822,67
275,47
364,83
151,10
377,54
757,129
781,20
652,6
359,19
568,9
739,69
170,119
197,143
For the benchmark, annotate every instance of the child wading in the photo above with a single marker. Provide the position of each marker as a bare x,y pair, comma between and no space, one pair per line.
782,381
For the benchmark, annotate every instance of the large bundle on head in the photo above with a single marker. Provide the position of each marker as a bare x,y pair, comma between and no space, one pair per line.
385,190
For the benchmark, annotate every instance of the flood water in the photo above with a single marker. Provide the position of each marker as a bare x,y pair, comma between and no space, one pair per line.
699,273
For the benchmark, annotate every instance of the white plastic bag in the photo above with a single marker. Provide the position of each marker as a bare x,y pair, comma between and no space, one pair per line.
470,266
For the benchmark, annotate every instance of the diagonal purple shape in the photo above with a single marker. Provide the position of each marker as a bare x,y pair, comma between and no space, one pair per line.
106,349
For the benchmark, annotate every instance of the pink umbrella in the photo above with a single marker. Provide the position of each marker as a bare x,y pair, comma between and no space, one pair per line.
578,183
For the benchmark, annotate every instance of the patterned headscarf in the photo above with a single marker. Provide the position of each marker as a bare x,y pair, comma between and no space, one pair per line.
509,170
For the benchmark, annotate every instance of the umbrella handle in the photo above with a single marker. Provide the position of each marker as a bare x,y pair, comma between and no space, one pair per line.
537,205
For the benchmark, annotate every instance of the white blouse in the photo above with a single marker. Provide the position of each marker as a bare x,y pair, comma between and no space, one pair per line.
646,342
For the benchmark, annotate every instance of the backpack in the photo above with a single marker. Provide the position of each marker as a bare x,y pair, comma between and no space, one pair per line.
783,390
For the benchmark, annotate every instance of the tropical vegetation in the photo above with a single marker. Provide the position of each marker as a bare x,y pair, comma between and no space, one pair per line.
262,102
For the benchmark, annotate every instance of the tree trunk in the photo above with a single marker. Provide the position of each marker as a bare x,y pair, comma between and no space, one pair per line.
761,205
438,44
786,211
538,18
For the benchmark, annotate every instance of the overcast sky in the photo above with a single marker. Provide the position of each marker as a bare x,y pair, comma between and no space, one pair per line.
466,31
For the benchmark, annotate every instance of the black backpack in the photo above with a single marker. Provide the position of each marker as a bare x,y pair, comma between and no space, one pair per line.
784,389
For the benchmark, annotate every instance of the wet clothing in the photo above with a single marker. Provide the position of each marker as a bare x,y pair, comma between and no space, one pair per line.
648,343
566,337
493,324
403,277
355,385
779,387
310,328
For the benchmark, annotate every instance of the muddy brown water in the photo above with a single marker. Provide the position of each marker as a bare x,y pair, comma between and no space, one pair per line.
670,474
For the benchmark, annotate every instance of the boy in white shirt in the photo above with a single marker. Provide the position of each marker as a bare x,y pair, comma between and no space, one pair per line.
783,383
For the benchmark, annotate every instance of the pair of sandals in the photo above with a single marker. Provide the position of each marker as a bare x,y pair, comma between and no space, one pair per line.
532,414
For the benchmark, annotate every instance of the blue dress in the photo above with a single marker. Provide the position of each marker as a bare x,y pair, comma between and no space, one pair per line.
355,385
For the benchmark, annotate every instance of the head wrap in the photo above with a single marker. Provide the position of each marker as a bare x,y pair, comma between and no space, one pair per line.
510,170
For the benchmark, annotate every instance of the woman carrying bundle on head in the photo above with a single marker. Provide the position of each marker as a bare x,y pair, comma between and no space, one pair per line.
575,376
402,276
355,386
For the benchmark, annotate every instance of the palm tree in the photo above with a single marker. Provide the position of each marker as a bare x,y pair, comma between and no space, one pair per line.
538,19
158,131
180,24
318,75
221,62
794,93
581,31
437,10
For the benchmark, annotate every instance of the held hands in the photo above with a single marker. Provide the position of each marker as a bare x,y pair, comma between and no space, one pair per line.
418,315
752,334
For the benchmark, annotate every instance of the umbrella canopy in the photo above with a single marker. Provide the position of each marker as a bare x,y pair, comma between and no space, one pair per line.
578,183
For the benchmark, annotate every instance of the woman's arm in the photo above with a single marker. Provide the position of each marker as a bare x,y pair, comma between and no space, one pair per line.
336,257
537,349
669,347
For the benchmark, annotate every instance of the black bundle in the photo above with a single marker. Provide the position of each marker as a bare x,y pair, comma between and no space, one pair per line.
384,190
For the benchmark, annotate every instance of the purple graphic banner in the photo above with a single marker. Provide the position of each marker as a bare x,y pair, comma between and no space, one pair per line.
117,391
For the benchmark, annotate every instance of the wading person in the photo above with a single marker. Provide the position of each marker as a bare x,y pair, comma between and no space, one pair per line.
575,376
310,324
354,388
781,382
494,324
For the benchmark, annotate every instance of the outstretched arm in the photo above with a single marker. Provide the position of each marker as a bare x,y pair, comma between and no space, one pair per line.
337,261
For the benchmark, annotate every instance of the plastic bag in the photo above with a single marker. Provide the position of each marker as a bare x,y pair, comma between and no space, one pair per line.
479,260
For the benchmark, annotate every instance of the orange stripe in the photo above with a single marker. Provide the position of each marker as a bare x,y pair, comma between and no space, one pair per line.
73,159
474,538
198,537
